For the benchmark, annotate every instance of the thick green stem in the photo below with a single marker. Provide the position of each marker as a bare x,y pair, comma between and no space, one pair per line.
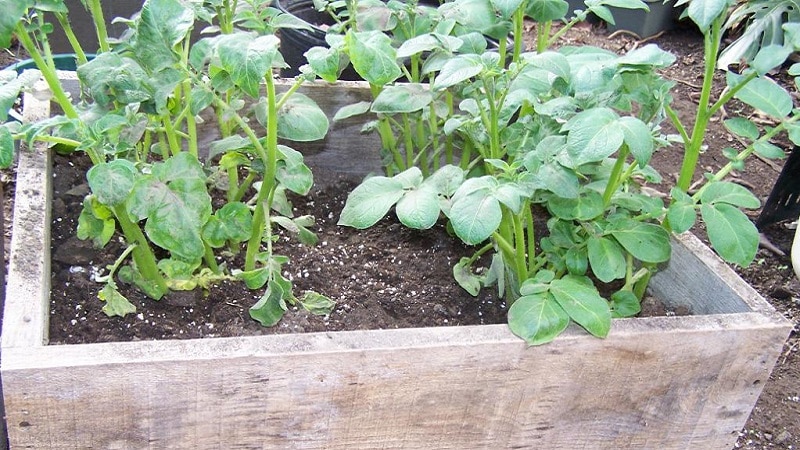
48,72
208,257
80,55
96,10
521,263
543,35
408,141
270,160
519,32
615,179
142,255
692,148
530,239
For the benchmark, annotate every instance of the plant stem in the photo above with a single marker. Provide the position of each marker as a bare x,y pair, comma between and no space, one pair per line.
49,74
269,157
96,10
142,254
615,179
80,56
692,148
519,31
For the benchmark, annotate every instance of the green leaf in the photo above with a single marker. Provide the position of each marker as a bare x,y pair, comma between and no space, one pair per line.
112,182
587,206
111,77
475,216
583,304
704,12
373,56
317,304
404,98
269,310
233,222
731,193
594,135
301,119
161,25
546,10
649,56
458,69
742,127
6,148
292,172
537,318
325,62
465,278
256,278
770,57
559,180
175,203
116,303
95,222
419,208
769,151
576,260
624,304
763,94
681,212
638,139
647,242
731,233
356,109
428,42
13,10
370,201
606,258
506,8
248,59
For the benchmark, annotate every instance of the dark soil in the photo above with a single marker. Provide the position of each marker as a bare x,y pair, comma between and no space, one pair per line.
388,275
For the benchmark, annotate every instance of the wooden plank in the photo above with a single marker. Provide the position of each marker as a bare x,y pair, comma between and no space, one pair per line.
26,315
470,387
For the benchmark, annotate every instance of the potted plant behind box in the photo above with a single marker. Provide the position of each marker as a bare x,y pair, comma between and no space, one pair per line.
470,387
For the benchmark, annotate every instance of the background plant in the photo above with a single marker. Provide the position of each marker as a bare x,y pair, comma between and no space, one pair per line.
137,119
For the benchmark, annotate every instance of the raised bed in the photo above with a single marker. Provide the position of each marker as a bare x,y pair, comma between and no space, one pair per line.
656,382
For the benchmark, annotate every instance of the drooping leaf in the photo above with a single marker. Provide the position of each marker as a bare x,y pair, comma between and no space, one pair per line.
292,172
506,8
325,62
537,318
317,304
269,310
428,42
370,201
356,109
768,150
96,222
466,278
115,303
731,233
740,126
111,77
13,10
233,222
583,304
6,148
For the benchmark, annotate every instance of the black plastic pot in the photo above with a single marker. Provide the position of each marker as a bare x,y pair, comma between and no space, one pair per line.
295,42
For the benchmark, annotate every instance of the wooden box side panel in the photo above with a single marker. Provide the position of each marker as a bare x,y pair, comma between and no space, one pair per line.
26,312
632,390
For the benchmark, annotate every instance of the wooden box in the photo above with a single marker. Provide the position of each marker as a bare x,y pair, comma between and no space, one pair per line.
656,383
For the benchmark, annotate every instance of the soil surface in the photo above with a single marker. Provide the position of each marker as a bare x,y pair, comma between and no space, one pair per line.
408,268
